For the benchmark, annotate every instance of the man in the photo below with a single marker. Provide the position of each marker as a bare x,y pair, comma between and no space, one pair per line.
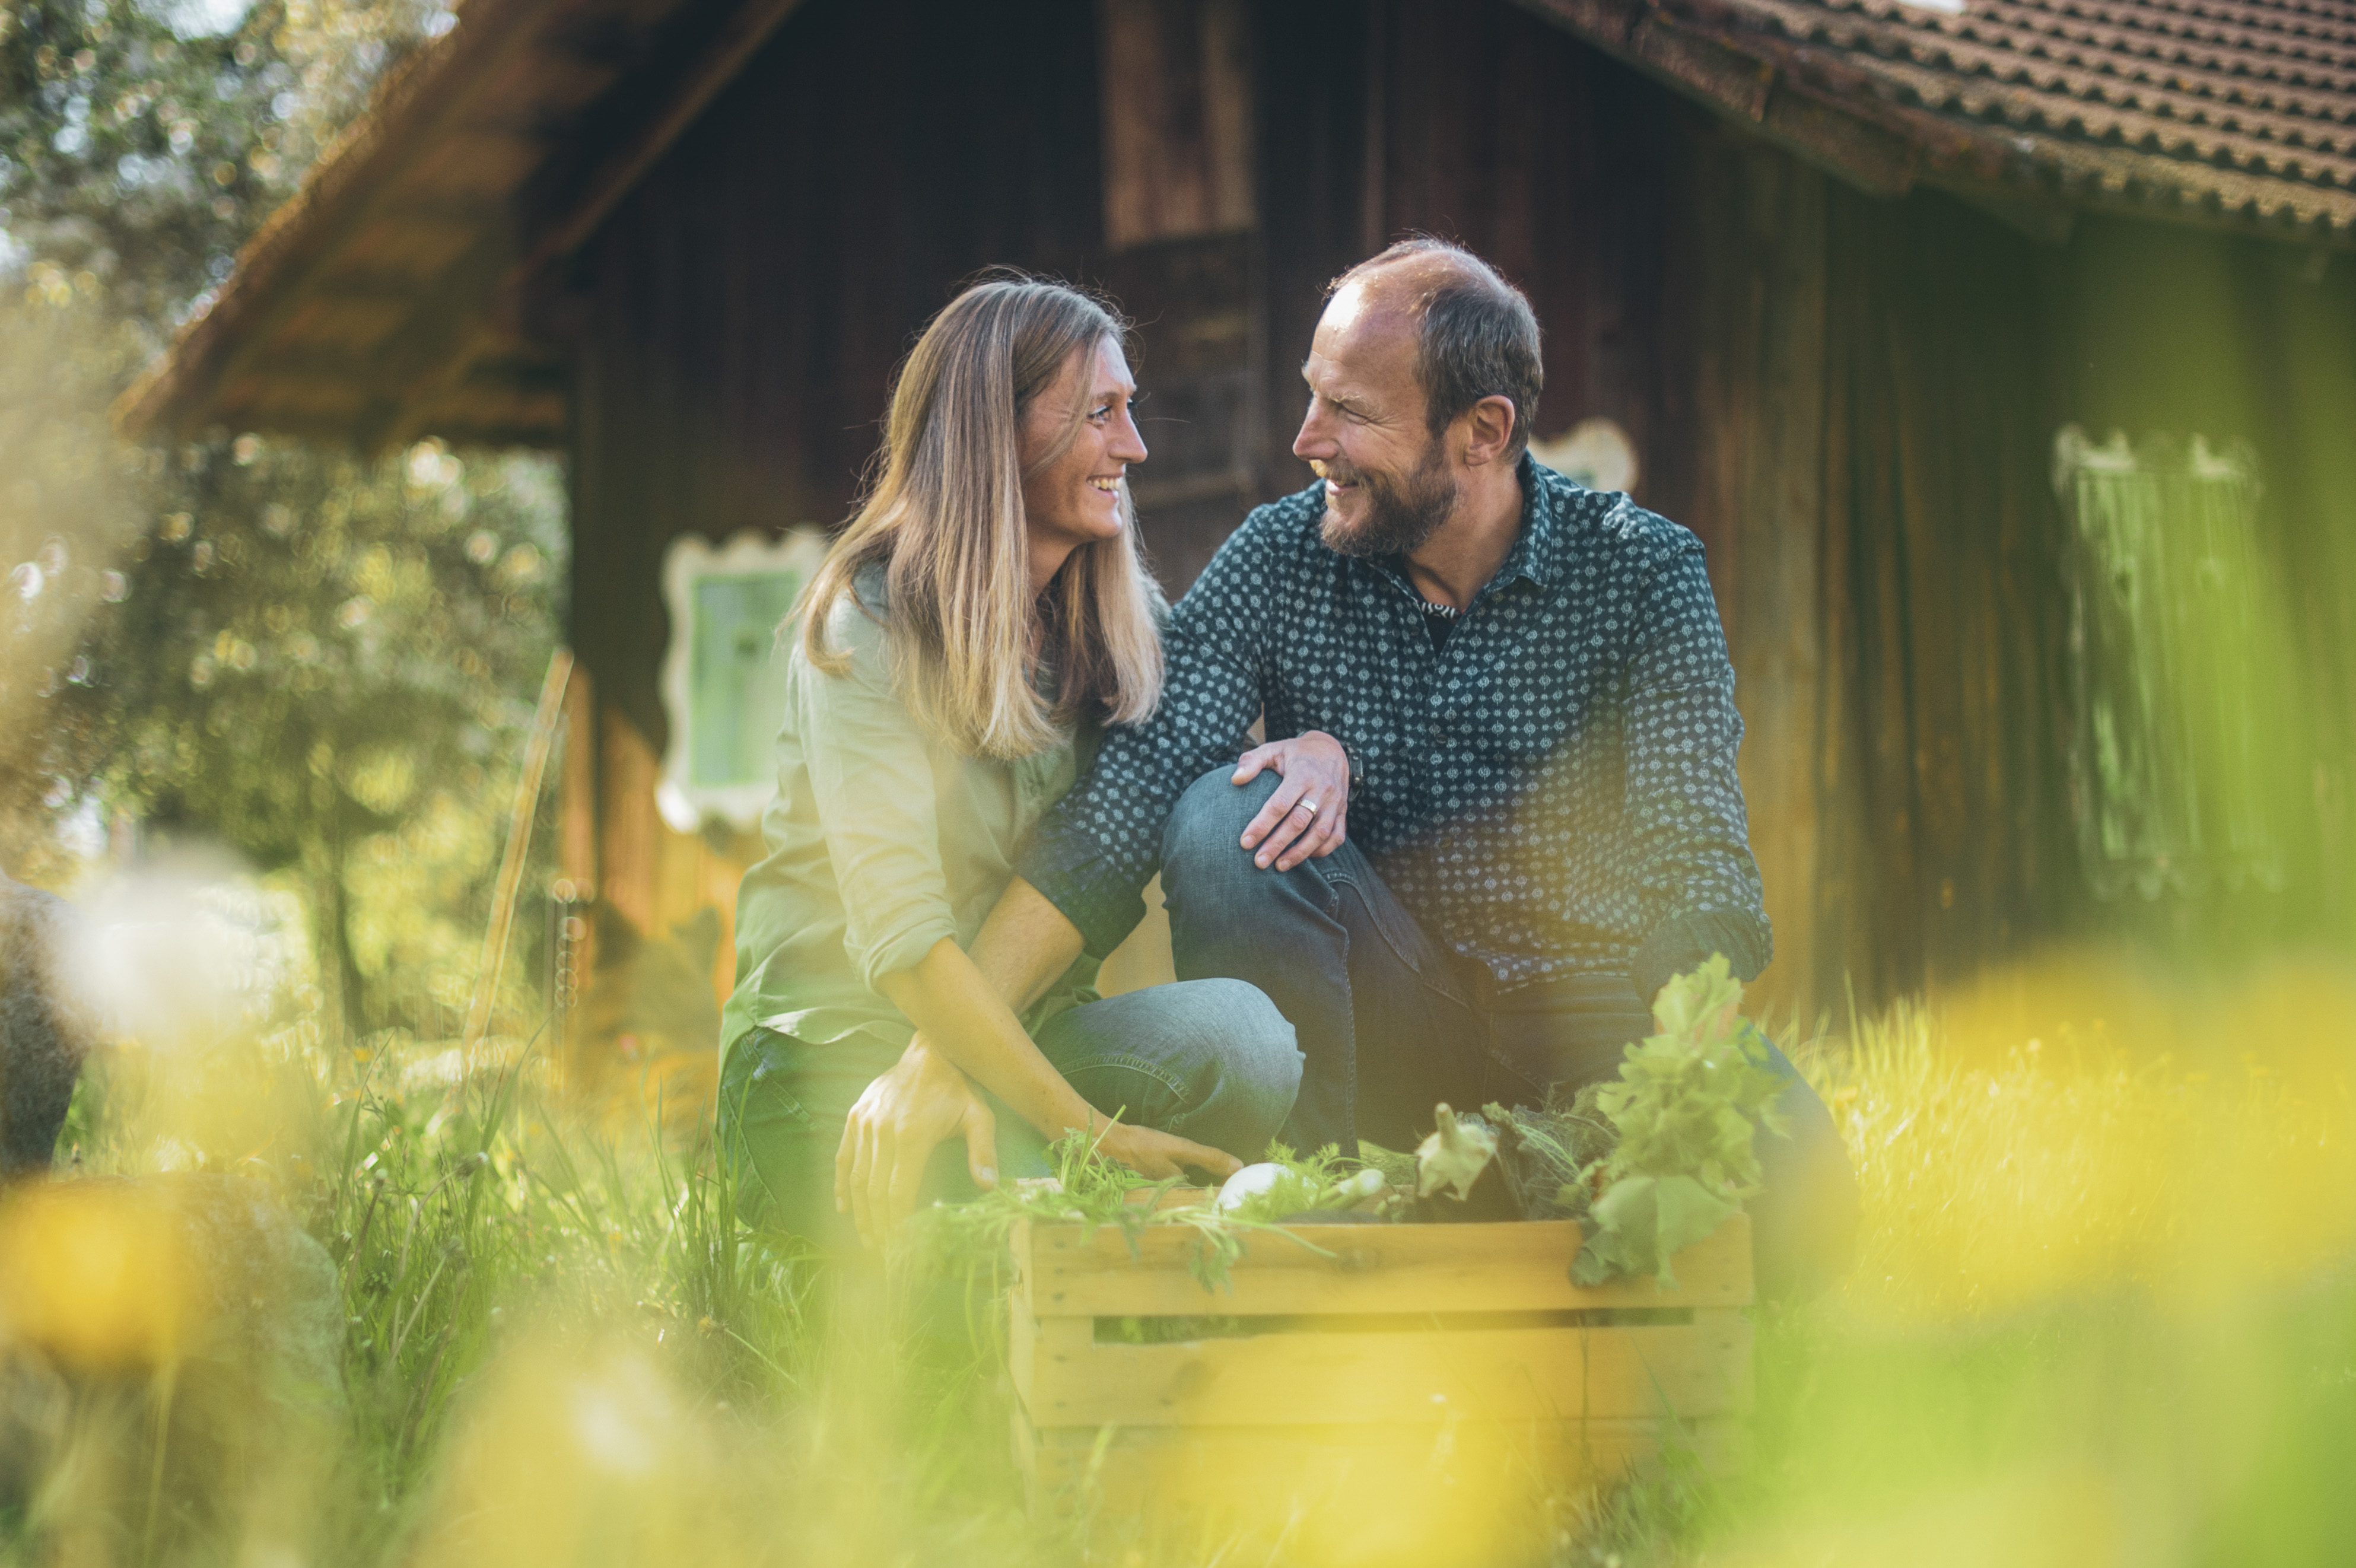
1522,815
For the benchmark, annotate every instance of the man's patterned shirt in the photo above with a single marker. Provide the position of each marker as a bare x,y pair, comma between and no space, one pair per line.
1551,791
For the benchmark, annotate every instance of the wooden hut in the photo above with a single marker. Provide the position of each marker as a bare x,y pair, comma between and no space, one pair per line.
1866,287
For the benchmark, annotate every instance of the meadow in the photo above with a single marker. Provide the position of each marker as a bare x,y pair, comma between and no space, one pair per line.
2104,1312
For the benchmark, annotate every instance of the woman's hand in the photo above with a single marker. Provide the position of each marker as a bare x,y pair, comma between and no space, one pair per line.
921,1103
1310,812
1158,1156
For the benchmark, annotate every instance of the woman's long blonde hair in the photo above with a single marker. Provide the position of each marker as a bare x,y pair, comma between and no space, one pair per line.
944,513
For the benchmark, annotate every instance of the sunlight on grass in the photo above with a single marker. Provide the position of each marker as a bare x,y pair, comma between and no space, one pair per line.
2104,1309
2103,1312
2201,1146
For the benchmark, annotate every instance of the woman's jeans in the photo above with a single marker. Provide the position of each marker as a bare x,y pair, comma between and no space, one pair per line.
1390,1022
1211,1061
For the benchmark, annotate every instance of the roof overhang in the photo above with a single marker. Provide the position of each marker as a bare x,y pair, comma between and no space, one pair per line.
396,294
393,297
2234,113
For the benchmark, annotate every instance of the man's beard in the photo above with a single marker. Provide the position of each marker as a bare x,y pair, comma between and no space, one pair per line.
1401,513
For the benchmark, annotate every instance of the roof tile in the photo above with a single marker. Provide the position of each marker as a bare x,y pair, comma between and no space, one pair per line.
2232,106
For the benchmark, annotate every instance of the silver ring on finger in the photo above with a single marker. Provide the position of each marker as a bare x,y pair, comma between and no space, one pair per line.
1309,806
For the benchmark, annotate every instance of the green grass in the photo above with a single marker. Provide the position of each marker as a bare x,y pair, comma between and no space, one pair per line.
2104,1313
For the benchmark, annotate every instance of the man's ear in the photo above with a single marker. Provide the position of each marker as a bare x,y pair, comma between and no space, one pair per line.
1488,430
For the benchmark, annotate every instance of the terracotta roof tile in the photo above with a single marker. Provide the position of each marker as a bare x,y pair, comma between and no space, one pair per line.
2242,107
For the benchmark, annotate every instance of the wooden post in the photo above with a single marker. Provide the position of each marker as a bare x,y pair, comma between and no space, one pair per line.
527,805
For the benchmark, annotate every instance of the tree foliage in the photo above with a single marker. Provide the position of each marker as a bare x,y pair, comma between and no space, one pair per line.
138,149
328,671
321,662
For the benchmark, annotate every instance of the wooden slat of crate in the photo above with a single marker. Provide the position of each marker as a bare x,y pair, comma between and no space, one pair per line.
1130,1467
1469,1493
1505,1268
1068,1379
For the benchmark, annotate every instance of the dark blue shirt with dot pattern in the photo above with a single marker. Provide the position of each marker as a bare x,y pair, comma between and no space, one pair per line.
1551,791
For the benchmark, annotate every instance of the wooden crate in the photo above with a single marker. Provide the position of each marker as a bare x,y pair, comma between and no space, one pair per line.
1421,1393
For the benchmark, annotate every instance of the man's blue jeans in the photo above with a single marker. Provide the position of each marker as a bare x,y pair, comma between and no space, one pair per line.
1390,1022
1212,1061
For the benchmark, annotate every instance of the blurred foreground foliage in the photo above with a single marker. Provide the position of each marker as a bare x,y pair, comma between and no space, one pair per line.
2105,1312
320,662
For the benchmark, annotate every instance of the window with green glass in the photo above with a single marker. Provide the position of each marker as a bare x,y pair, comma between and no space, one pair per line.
2174,653
736,683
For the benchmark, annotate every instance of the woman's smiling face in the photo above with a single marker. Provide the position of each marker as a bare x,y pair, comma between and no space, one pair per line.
1077,498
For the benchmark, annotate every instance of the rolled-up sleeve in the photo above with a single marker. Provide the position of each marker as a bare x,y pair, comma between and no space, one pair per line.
872,781
1696,875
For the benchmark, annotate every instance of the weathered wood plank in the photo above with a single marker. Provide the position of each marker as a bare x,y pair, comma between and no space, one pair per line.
1063,1453
1477,1490
1511,1374
1174,79
1056,1344
1508,1268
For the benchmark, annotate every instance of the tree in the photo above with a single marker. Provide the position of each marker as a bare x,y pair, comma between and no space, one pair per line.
334,657
140,145
313,659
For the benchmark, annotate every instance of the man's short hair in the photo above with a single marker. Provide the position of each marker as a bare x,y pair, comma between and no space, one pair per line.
1479,338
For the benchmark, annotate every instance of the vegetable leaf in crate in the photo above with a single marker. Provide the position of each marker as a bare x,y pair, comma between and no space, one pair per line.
1687,1109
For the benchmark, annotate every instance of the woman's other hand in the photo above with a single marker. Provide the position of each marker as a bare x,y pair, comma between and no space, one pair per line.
1308,815
914,1108
1160,1155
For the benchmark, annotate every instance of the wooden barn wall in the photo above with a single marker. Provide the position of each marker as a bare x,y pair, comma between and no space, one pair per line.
1946,839
752,295
1867,454
1484,125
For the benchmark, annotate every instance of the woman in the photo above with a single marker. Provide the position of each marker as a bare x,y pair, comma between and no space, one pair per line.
980,618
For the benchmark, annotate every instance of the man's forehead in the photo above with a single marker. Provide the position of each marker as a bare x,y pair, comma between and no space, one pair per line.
1362,337
1369,309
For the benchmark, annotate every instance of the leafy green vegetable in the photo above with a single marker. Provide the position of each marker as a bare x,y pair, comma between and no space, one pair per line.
1542,1153
1687,1110
1090,1190
1647,1165
1302,1183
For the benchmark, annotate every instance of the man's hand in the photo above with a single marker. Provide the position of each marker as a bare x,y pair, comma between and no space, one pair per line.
915,1108
1158,1156
1309,814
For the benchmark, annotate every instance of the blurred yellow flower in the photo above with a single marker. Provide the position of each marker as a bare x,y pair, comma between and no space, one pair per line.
94,1273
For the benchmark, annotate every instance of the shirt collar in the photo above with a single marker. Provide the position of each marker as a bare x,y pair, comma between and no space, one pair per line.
1537,552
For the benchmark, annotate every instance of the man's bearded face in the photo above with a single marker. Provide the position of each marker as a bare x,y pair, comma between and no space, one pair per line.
1403,510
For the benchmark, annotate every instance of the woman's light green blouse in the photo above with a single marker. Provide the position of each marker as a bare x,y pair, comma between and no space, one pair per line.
881,841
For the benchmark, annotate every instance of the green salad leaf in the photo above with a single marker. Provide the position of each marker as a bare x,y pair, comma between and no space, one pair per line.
1687,1111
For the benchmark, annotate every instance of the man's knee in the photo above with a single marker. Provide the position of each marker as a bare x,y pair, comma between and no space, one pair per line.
1213,812
1205,831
